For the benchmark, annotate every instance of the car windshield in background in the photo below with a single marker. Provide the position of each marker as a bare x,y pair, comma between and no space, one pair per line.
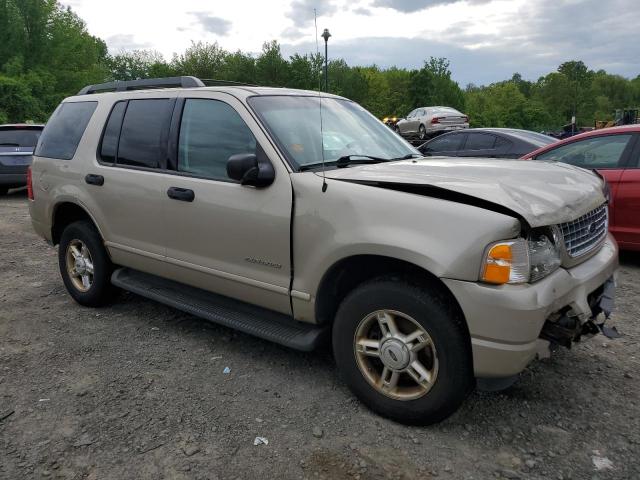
19,137
347,130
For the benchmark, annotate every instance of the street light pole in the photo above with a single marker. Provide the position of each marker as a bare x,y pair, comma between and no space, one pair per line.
326,36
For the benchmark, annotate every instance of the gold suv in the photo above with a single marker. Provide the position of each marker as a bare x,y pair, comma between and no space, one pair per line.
299,217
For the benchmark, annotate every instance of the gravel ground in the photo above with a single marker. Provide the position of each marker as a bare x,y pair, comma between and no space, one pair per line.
138,390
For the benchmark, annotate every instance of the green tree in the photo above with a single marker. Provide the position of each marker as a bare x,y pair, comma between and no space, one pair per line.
271,68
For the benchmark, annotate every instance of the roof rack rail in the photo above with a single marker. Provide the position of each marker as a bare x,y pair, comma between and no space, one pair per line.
214,82
123,86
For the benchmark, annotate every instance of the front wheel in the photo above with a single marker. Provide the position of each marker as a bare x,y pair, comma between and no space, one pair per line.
85,265
403,350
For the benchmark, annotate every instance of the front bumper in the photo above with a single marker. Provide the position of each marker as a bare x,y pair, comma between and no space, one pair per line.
505,321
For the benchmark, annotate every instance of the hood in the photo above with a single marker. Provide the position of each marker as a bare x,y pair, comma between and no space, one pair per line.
543,193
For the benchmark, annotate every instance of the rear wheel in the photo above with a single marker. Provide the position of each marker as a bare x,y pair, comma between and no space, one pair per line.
3,191
85,265
422,132
403,350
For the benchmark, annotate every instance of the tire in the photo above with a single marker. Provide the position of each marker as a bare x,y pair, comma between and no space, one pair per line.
448,360
422,132
3,191
99,291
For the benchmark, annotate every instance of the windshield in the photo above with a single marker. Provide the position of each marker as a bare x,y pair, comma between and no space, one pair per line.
347,129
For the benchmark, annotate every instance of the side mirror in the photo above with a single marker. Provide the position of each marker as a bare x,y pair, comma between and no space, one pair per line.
247,169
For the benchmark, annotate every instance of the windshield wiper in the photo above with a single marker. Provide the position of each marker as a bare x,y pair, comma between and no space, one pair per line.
345,160
358,159
408,156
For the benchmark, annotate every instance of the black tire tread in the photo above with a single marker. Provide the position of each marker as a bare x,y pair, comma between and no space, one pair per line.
449,392
102,291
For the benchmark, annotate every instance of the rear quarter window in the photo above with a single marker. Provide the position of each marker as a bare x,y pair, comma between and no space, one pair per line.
64,130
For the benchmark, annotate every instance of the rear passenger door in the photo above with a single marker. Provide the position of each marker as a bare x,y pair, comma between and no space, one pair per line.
446,145
226,237
478,145
125,184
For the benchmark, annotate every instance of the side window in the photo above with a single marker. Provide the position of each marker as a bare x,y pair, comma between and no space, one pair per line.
64,130
445,143
595,152
479,141
210,132
144,130
109,147
502,143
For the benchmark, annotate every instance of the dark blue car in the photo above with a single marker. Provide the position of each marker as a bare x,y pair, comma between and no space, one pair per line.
17,142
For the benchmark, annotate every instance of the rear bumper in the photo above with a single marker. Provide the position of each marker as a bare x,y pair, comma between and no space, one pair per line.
505,321
13,179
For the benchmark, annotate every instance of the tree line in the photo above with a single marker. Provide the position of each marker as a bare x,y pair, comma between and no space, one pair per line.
47,54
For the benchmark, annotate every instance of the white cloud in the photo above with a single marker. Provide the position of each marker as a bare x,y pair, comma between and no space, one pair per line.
486,40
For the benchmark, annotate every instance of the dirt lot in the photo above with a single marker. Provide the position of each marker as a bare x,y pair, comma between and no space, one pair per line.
137,390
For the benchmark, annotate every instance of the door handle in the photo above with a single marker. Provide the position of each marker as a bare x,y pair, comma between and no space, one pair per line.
93,179
182,194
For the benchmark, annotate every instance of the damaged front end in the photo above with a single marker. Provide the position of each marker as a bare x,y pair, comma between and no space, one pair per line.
565,326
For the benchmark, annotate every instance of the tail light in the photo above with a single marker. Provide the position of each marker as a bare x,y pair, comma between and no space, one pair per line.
466,119
435,120
29,184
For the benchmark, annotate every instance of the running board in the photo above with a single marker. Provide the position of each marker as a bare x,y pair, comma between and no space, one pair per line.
247,318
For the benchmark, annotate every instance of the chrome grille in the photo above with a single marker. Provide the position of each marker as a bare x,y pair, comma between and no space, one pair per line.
585,233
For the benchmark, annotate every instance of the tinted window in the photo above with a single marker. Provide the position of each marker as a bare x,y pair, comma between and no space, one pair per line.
64,130
594,152
445,143
501,143
19,137
144,130
111,133
479,141
210,132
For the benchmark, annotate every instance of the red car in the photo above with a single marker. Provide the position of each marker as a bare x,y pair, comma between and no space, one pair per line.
615,154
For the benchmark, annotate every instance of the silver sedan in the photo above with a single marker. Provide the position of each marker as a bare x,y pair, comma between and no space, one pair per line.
424,122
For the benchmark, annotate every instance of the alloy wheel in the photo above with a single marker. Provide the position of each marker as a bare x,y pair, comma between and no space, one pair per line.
396,355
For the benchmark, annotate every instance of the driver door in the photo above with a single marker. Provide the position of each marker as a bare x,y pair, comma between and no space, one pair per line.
226,237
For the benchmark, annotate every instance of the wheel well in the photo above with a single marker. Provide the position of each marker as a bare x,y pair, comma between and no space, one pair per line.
65,214
350,272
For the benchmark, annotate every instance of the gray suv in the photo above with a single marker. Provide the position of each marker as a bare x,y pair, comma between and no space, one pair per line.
300,218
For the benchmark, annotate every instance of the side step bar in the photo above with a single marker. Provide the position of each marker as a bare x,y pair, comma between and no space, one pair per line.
250,319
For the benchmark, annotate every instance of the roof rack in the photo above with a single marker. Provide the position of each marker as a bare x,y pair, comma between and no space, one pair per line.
123,86
214,82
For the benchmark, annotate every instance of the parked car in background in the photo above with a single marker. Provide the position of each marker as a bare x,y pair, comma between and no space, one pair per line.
615,154
426,122
17,142
486,142
391,121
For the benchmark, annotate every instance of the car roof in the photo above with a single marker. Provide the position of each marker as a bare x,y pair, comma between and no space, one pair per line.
240,91
592,133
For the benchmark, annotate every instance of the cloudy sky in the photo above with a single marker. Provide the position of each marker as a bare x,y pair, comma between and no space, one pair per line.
485,40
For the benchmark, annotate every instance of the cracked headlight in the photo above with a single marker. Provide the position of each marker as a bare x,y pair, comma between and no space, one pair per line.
543,256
